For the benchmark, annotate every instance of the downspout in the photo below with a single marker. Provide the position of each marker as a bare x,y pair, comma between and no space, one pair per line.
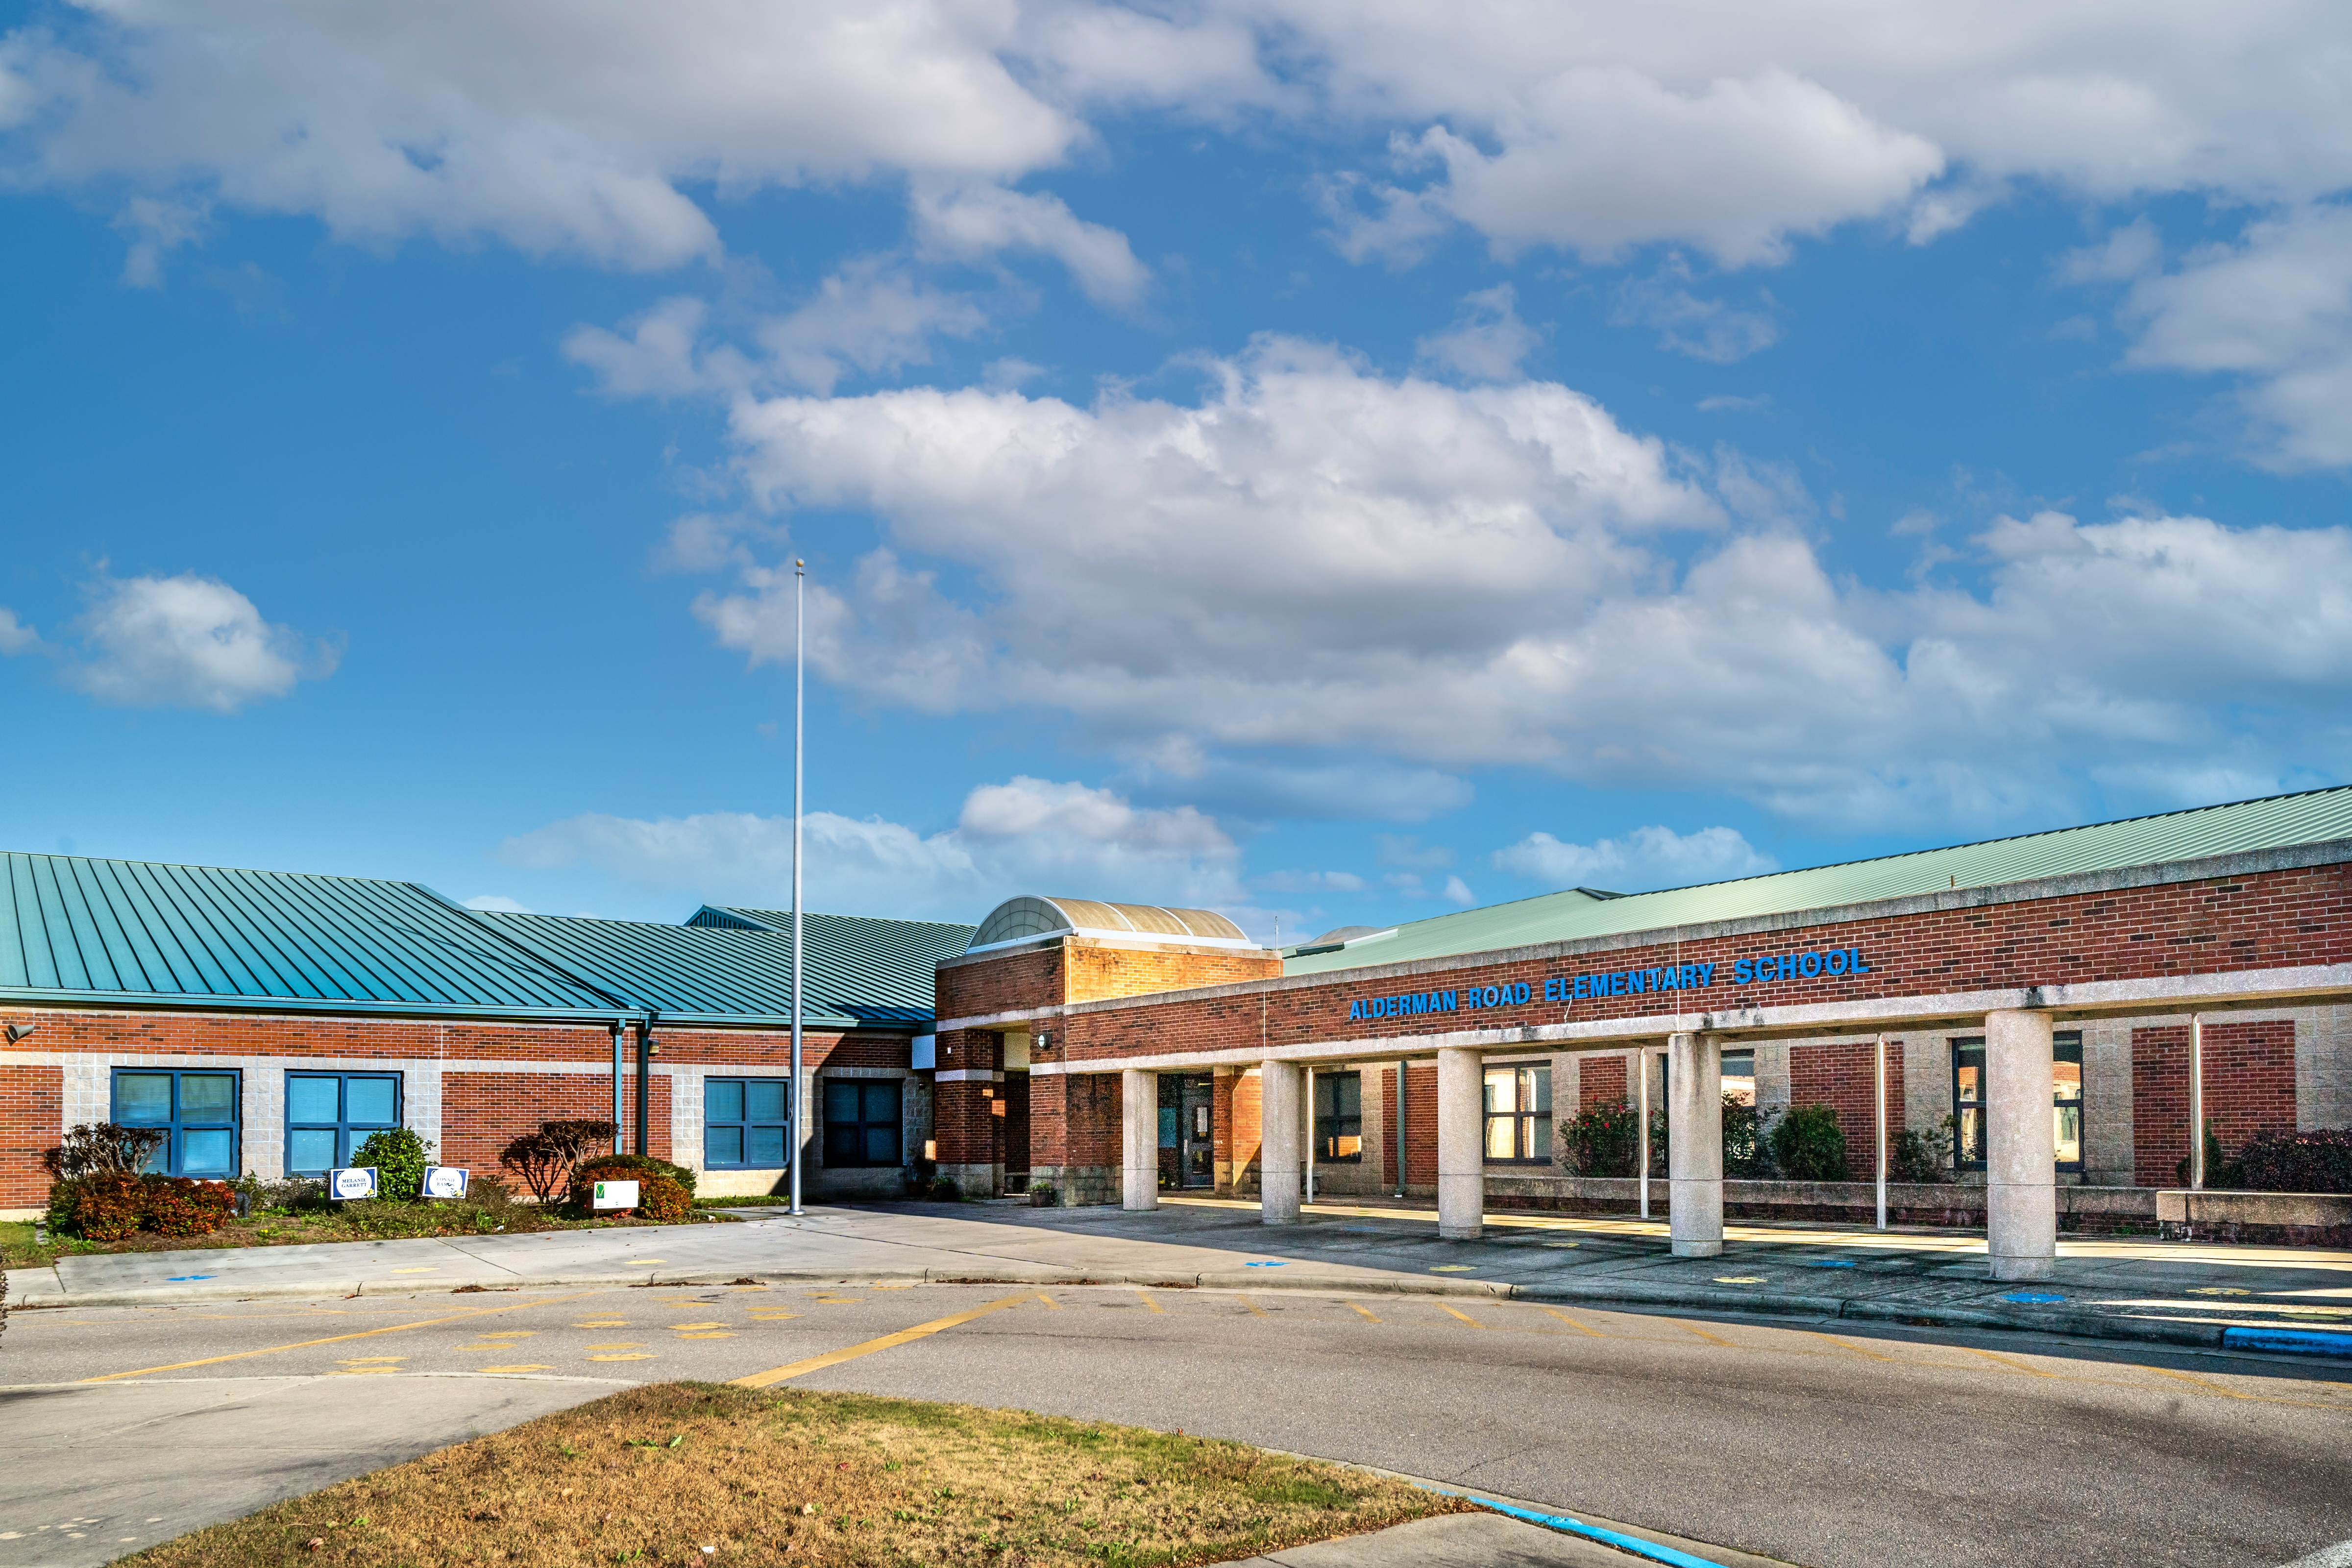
645,1048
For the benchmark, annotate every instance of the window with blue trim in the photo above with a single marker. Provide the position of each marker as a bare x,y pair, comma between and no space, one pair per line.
328,1114
198,1108
746,1123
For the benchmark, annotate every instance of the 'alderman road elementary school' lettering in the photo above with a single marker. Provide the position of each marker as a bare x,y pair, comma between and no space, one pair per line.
1616,983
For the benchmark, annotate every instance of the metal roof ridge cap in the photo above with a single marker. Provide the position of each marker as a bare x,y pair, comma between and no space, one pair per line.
2287,858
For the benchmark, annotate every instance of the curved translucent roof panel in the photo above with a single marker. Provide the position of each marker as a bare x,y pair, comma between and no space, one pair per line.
1027,917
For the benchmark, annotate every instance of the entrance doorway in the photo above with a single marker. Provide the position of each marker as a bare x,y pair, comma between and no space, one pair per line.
1188,1155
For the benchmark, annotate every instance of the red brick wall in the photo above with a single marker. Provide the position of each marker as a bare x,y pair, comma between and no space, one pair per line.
482,1112
2273,919
1599,1080
1096,972
1386,1078
1073,1120
2249,1089
1839,1076
1237,1127
999,983
1420,1124
32,1107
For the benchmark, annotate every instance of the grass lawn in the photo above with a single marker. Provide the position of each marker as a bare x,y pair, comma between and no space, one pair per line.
704,1473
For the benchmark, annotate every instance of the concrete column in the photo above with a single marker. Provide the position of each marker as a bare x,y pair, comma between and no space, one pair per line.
1461,1145
2021,1147
1138,1140
1695,1144
1279,1111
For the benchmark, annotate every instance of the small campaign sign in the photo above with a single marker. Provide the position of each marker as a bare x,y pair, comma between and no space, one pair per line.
615,1195
347,1182
445,1181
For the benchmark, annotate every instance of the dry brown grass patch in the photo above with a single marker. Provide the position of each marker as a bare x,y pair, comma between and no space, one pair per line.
678,1473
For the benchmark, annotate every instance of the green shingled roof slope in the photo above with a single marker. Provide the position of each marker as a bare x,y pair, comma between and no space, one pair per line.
75,927
2274,823
875,973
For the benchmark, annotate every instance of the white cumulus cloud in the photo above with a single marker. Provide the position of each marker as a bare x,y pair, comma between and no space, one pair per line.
188,642
1646,858
1024,836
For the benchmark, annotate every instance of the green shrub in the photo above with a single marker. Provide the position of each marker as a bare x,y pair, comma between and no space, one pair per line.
659,1198
546,1160
639,1168
1809,1145
1747,1153
2319,1160
1042,1195
1600,1140
1920,1158
2219,1173
945,1191
399,1157
177,1206
108,1205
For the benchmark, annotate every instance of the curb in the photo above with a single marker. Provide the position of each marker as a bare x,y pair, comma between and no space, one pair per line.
2076,1324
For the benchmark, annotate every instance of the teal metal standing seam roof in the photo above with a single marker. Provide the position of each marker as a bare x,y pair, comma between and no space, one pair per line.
2277,822
878,961
859,972
73,928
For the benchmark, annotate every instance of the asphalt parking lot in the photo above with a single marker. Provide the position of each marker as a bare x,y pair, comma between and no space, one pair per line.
1820,1446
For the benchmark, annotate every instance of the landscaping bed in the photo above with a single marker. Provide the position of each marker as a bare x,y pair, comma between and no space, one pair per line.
678,1473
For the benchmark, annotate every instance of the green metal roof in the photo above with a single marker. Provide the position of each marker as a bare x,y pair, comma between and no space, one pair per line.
875,973
856,958
2274,823
78,928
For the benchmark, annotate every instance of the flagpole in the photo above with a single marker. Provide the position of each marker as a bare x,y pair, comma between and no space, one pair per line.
800,691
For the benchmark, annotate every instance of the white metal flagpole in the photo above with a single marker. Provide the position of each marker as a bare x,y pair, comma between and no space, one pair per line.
1880,1065
800,691
1642,1132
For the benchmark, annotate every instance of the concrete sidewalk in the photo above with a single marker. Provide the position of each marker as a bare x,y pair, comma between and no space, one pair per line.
2259,1298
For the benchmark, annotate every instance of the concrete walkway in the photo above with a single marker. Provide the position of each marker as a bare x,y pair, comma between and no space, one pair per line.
2259,1298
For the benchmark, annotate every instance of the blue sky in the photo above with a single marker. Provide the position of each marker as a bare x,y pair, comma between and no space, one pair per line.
1333,463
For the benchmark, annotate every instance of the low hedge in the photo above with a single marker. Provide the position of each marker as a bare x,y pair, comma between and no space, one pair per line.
649,1173
111,1206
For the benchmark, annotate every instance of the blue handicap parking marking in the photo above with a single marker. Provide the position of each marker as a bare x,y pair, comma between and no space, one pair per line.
1830,1263
1284,1263
2032,1298
184,1278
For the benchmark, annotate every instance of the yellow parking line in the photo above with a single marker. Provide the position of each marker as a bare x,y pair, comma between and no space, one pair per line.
1150,1302
338,1339
1364,1313
1572,1322
904,1336
2200,1382
1847,1345
1999,1359
1458,1312
1049,1301
1253,1306
1702,1333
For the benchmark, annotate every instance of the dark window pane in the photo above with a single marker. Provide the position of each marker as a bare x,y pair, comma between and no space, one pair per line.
722,1099
1538,1137
763,1099
881,1146
882,1101
207,1097
142,1096
312,1100
371,1101
840,1144
840,1099
767,1146
722,1146
1539,1097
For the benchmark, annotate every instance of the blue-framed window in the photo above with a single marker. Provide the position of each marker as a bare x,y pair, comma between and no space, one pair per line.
745,1123
328,1114
861,1121
200,1109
